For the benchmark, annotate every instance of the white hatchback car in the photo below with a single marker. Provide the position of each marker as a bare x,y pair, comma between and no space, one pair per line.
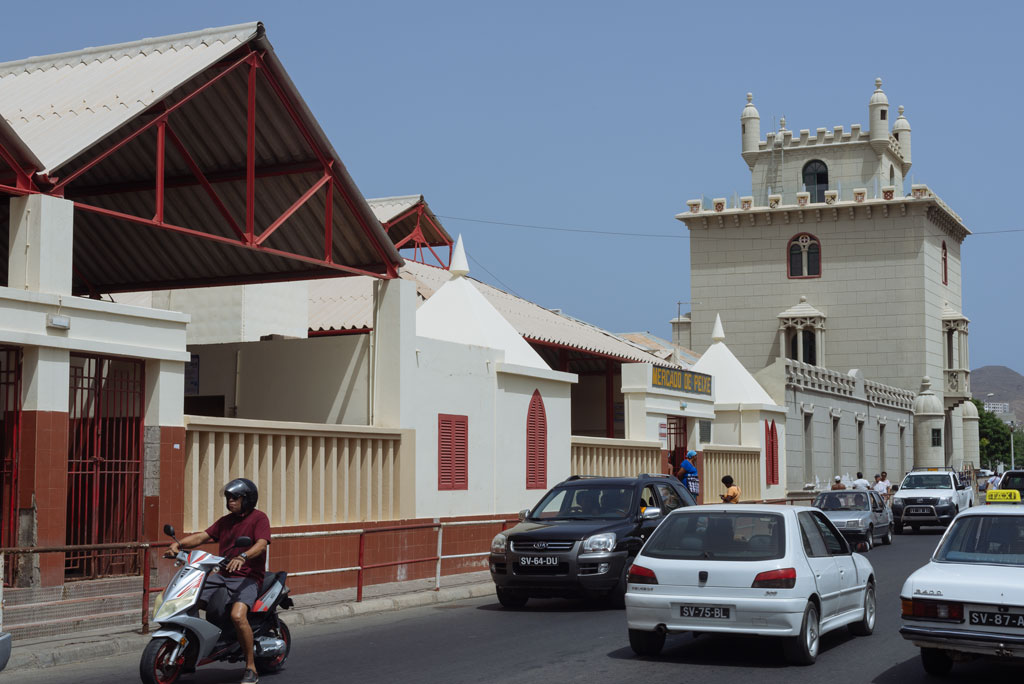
968,601
768,570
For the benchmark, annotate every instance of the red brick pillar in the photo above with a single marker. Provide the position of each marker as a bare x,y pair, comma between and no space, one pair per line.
42,494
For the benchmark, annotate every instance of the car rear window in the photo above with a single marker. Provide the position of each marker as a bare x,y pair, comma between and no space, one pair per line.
585,502
719,535
988,539
927,481
1012,481
842,501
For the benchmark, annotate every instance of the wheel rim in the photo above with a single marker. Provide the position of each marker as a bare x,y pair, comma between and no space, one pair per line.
869,608
812,632
871,537
164,670
286,638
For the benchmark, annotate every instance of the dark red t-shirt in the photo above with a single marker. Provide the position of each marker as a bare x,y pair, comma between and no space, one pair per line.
226,530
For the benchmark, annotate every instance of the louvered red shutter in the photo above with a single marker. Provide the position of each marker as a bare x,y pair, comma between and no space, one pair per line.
536,444
452,452
775,454
767,453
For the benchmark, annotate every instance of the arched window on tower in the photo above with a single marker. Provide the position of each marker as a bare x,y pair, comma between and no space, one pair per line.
945,264
804,254
815,176
536,444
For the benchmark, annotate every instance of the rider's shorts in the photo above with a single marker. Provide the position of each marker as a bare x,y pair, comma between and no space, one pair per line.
240,589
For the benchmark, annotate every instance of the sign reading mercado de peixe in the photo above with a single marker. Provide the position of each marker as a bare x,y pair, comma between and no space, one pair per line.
681,380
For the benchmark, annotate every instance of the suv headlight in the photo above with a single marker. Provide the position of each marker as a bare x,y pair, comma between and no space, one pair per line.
498,543
599,543
945,500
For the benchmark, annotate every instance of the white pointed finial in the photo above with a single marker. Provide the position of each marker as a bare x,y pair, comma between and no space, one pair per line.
718,333
750,98
459,266
878,84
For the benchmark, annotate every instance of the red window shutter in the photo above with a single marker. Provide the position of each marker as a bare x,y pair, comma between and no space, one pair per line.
452,451
767,453
775,454
536,444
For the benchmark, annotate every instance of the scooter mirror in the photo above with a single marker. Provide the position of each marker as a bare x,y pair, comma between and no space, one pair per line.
169,530
243,542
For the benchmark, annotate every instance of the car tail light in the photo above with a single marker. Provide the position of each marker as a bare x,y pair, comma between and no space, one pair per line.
638,574
933,610
775,579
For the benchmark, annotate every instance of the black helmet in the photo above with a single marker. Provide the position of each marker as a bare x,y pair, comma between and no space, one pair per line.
245,489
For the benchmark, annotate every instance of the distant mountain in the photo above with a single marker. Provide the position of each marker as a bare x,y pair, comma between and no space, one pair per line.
1004,383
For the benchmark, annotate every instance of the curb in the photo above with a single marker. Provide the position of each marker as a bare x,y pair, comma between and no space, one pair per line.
90,647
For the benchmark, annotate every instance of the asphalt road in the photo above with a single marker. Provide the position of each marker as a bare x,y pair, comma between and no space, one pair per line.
556,641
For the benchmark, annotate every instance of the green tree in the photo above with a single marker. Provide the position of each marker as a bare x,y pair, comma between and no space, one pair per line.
994,437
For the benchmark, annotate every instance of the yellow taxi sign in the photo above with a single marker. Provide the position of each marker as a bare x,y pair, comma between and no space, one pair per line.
1002,496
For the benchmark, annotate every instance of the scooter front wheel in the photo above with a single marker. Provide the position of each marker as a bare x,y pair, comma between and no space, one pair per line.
156,666
271,665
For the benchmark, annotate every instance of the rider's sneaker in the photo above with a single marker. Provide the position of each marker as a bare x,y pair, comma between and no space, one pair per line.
250,677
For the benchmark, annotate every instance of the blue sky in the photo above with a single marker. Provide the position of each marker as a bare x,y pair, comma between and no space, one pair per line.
609,116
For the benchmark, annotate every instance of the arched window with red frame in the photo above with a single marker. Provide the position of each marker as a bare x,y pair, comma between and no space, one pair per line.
945,264
803,256
536,444
771,452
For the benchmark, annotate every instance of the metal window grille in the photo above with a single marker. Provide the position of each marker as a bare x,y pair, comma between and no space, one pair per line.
105,420
936,437
10,443
705,432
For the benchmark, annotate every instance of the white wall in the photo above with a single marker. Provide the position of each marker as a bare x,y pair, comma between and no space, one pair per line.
317,380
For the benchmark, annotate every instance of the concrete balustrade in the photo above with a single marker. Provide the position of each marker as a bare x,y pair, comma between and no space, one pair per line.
614,457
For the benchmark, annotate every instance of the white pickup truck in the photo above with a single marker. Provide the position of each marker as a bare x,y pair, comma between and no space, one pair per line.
929,496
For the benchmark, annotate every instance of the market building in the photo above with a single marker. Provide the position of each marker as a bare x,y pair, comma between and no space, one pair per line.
841,283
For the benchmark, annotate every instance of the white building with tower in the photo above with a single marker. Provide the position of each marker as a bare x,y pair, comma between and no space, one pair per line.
841,286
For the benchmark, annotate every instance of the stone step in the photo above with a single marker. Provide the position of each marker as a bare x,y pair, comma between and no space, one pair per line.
20,596
91,606
70,625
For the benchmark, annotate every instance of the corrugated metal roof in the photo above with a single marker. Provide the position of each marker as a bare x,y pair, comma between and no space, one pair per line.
70,107
661,347
346,304
62,104
390,210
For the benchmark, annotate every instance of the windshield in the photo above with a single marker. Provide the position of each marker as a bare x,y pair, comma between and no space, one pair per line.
842,501
585,503
928,481
1012,481
719,535
990,539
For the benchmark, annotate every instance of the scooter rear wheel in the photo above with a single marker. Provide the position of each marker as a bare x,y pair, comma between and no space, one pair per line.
271,665
156,666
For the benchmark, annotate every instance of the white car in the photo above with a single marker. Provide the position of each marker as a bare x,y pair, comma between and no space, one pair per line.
769,570
929,496
968,601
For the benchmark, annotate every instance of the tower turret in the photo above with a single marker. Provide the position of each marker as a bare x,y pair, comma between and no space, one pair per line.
901,129
878,109
750,128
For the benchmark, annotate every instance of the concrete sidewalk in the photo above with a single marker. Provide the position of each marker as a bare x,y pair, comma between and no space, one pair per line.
309,609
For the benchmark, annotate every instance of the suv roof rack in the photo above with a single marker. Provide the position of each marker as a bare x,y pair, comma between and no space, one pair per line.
581,477
656,475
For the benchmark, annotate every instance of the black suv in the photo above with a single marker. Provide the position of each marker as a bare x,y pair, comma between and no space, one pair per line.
582,537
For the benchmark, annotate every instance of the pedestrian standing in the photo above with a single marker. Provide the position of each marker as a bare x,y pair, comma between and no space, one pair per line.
881,487
838,483
688,473
732,492
860,482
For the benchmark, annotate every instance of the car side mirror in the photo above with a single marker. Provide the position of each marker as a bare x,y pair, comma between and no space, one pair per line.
651,513
524,514
862,547
243,542
169,530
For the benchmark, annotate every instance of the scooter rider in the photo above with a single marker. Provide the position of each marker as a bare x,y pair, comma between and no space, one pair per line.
244,572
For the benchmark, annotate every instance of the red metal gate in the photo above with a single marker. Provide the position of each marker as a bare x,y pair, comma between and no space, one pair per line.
10,442
105,419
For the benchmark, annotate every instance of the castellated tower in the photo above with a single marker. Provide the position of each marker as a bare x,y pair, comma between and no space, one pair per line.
834,263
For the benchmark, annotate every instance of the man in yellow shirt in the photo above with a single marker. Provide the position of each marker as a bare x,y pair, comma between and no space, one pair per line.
732,492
